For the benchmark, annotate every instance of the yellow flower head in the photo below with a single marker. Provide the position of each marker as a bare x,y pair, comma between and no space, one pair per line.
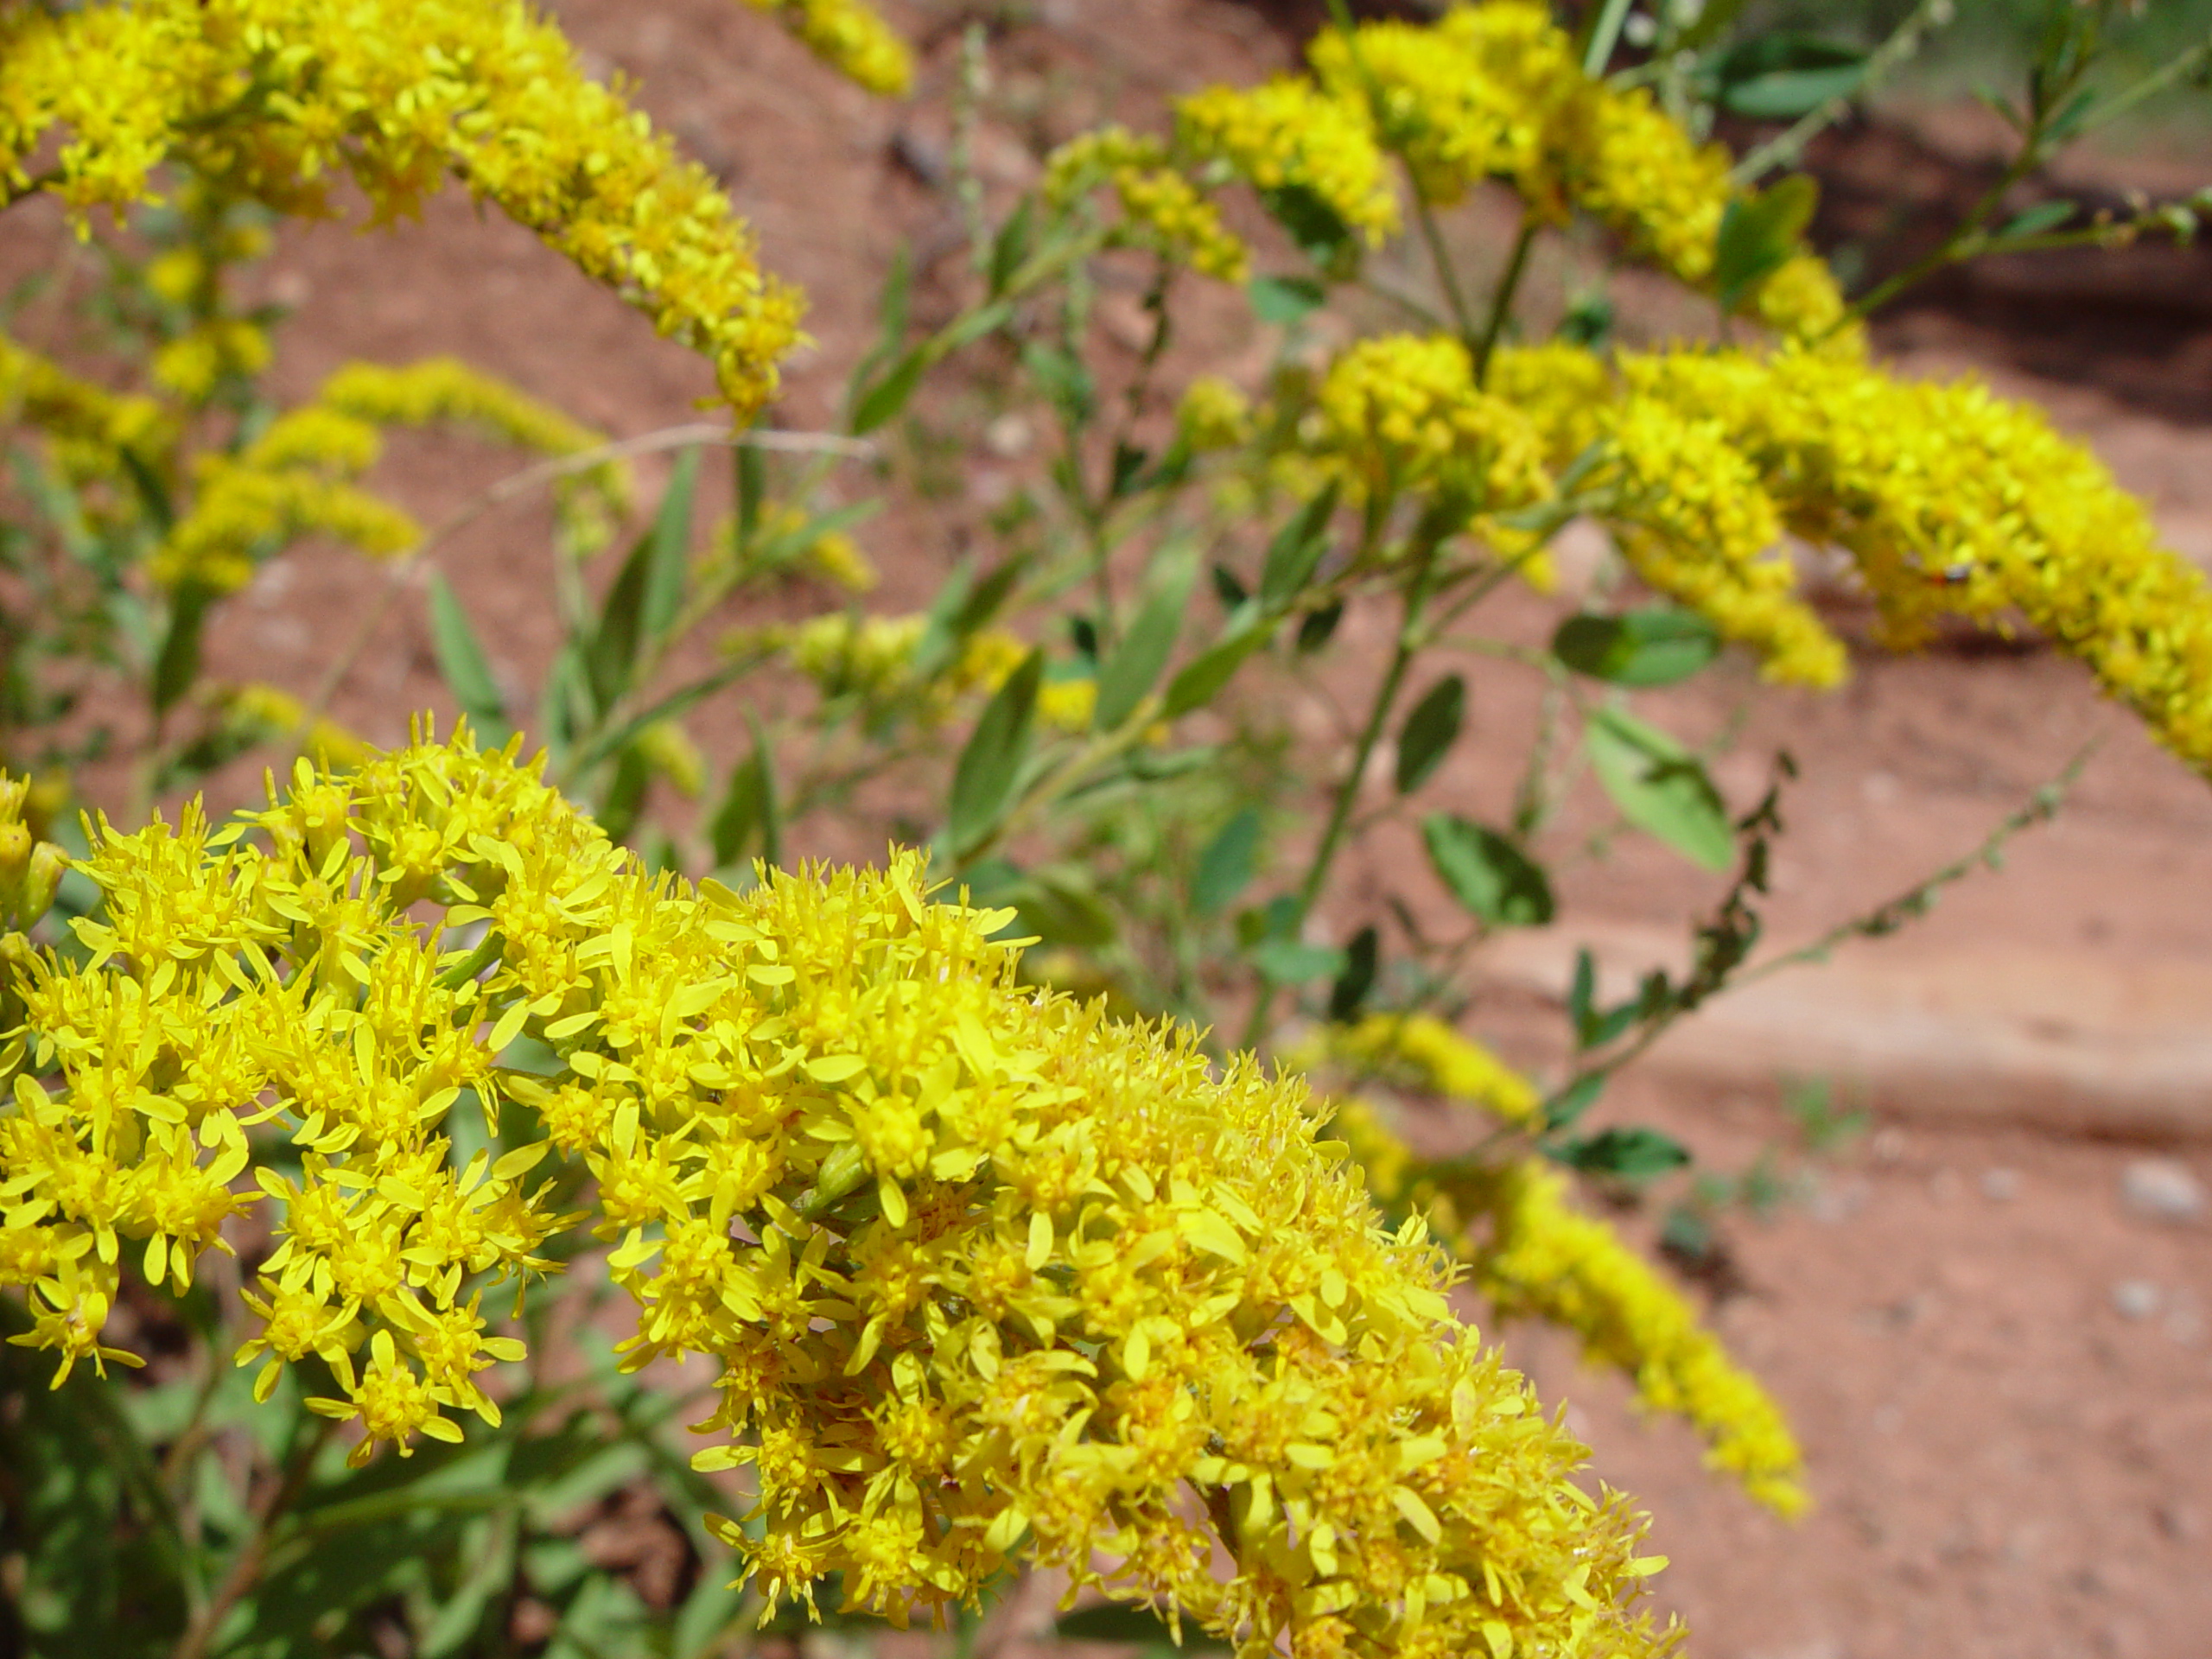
981,1271
1290,134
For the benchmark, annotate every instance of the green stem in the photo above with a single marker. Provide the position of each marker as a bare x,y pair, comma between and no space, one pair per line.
1427,556
1446,277
1500,304
1604,34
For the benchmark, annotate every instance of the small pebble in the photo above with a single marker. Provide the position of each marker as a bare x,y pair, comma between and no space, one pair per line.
2000,1186
2136,1299
2161,1189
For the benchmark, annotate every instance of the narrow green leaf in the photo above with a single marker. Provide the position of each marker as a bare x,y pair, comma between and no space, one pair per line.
1317,628
1362,958
749,811
982,782
1135,665
1657,646
750,478
1781,77
1201,679
1563,1109
1634,1155
1296,549
2044,216
178,665
1225,869
883,400
670,560
1486,873
1291,962
1011,245
1321,234
1284,301
1758,234
1661,788
462,661
1429,732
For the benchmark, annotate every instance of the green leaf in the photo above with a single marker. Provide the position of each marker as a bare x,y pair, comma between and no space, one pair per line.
1634,1154
1317,628
1292,961
178,665
1661,788
1295,550
2044,216
462,661
1228,587
1321,235
1114,1622
647,592
1065,379
1011,245
1135,665
1060,905
1782,77
1561,1110
1202,678
1657,646
1362,957
1758,234
1284,301
982,782
883,400
749,808
750,483
1226,866
1429,732
1486,873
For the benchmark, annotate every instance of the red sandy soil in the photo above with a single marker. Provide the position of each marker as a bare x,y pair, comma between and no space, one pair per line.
2003,1376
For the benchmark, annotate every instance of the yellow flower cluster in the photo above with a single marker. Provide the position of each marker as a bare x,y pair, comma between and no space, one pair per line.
1542,1258
1950,499
1401,413
871,658
1421,1051
88,426
980,1271
850,38
1530,1253
1291,135
1212,413
1166,209
1495,91
190,367
295,478
275,100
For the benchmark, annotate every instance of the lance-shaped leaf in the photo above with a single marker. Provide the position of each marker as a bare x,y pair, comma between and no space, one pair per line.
1228,864
982,782
462,661
1661,788
1429,732
1654,646
648,590
1489,874
1136,662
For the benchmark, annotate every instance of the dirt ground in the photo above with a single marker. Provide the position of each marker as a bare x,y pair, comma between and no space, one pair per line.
2001,1369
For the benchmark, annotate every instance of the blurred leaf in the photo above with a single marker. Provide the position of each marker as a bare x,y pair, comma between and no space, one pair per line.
1201,679
1486,873
1127,470
1349,993
1321,235
982,782
1782,77
1011,245
1296,549
1061,906
749,481
1317,628
1065,379
178,665
1292,961
646,592
1759,234
2044,216
1659,788
1226,866
1634,1154
1561,1110
1228,588
1657,646
883,400
1284,301
1429,732
1117,1622
462,661
1131,672
749,808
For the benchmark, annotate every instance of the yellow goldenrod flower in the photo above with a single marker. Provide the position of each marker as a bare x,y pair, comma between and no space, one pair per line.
1540,1257
295,478
280,98
1213,414
1165,207
1291,135
1423,1052
1401,413
980,1271
850,38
